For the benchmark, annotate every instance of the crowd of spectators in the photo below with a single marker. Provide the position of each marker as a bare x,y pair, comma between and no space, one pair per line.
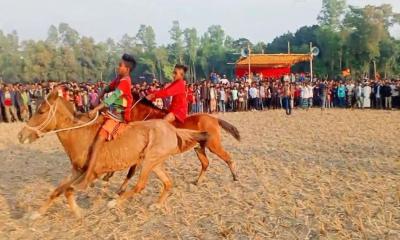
19,101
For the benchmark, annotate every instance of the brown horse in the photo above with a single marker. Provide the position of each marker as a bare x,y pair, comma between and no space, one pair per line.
147,144
144,109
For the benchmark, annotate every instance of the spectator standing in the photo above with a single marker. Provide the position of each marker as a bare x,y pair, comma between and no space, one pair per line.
378,95
198,99
367,95
358,91
241,100
341,93
387,95
189,97
235,98
24,104
310,94
2,113
322,94
221,99
287,97
213,99
262,94
349,94
8,101
268,97
93,98
395,94
253,97
205,96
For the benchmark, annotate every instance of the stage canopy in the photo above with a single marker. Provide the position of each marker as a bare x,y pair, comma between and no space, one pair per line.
269,65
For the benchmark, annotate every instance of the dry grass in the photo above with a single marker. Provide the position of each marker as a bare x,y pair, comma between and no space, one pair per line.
307,176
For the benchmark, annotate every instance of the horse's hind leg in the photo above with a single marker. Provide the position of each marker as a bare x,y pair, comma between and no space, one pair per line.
214,145
143,177
107,177
69,194
160,171
130,174
201,155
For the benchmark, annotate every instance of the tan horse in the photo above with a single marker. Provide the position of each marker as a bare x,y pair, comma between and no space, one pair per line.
144,109
146,144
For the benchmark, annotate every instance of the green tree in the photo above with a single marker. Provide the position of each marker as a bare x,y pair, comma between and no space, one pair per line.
331,13
176,47
192,45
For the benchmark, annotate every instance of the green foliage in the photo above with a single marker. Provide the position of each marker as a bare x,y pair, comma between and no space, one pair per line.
348,37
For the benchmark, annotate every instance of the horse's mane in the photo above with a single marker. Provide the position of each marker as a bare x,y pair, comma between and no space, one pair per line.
147,102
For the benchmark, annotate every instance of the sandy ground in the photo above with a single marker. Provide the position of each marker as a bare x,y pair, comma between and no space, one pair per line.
307,176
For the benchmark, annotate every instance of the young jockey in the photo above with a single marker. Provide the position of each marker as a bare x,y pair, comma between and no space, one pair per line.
178,107
118,104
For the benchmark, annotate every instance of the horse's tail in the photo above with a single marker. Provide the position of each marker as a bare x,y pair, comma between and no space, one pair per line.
187,139
232,130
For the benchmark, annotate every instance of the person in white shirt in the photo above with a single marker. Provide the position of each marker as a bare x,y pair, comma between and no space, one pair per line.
224,80
367,95
253,97
235,98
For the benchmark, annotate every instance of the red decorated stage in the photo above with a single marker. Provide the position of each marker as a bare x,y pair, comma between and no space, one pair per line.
269,65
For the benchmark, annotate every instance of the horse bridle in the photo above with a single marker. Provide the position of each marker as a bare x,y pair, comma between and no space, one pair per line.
50,116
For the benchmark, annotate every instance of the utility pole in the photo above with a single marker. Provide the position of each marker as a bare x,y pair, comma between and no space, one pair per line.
311,63
248,48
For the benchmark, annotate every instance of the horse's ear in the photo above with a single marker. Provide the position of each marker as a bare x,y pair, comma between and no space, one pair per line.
53,95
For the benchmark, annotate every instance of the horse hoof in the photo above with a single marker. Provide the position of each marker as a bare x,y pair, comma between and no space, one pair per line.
35,215
235,178
112,203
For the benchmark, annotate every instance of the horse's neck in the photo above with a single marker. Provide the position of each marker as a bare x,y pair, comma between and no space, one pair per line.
142,112
77,142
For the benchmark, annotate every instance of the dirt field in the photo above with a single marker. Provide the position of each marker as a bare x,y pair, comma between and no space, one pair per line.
307,176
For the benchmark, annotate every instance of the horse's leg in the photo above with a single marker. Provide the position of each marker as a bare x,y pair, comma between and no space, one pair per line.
214,145
143,177
201,155
57,192
130,174
107,177
160,171
90,174
69,194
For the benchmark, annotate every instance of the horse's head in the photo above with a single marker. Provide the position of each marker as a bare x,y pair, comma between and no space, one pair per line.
48,117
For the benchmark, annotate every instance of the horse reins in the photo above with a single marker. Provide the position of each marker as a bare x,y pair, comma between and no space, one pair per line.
52,112
53,109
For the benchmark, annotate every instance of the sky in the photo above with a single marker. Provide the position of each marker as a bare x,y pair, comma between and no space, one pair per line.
257,20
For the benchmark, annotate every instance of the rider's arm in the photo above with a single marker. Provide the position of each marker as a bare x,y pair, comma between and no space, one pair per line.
115,95
172,90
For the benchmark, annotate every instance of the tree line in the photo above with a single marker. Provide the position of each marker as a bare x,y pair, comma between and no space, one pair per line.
351,37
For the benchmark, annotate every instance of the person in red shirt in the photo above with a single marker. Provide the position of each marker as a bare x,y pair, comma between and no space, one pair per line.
117,104
189,97
176,90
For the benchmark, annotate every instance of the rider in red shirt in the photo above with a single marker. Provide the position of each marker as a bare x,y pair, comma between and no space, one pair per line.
118,105
178,107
